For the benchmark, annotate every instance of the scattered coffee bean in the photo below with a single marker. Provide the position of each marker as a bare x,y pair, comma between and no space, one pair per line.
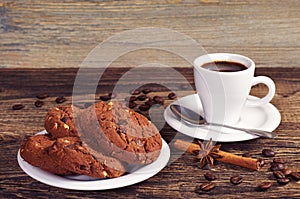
132,104
264,186
207,186
112,95
144,107
142,97
132,98
146,90
150,102
283,181
276,167
246,155
105,98
268,153
278,160
158,99
42,96
295,176
60,100
209,176
286,171
278,174
38,103
172,96
135,92
236,180
18,107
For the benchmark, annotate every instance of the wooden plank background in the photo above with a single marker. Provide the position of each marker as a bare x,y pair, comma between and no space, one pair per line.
53,33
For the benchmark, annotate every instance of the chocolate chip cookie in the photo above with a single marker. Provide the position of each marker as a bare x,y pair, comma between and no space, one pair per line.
117,131
67,156
35,151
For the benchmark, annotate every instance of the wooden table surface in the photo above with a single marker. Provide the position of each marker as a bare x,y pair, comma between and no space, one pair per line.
177,180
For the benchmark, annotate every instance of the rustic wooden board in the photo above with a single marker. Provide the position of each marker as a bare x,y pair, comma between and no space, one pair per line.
177,180
49,33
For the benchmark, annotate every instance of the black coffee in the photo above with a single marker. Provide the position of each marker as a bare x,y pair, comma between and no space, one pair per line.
224,66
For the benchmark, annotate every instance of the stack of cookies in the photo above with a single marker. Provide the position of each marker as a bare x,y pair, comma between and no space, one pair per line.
105,140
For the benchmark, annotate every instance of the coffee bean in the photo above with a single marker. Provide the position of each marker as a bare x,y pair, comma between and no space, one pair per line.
158,99
17,107
150,102
268,153
247,155
112,95
264,186
132,98
283,181
278,174
276,167
60,100
142,97
236,180
144,107
278,160
209,176
172,96
295,176
105,98
132,104
146,90
135,92
38,103
207,186
286,171
42,96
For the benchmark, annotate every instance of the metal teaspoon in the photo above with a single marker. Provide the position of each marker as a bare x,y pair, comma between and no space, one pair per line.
193,118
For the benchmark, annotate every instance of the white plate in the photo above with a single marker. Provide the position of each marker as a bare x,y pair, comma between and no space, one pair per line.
265,117
81,182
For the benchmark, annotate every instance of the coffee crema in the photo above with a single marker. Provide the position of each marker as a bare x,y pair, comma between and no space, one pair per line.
224,66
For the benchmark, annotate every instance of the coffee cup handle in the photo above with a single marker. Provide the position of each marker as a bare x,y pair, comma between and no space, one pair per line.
261,101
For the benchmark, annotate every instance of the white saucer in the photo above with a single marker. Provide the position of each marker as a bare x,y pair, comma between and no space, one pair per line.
265,117
83,182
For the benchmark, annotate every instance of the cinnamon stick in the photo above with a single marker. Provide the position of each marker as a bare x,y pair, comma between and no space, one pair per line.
246,162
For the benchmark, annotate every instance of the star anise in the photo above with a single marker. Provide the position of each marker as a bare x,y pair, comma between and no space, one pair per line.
207,153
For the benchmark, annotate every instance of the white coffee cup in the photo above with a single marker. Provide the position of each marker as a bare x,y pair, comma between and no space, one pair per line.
224,94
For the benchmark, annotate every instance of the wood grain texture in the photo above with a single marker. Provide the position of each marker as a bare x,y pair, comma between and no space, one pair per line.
177,180
60,34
